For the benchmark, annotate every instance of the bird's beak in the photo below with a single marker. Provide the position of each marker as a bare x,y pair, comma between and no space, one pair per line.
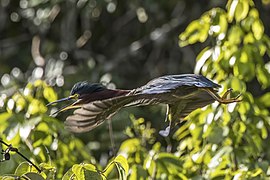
70,106
63,99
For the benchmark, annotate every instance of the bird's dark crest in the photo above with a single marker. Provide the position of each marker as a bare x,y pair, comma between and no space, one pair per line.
86,87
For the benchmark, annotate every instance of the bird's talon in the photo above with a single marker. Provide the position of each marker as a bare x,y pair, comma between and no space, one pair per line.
238,96
225,95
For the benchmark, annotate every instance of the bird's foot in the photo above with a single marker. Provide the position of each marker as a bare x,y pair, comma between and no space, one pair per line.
165,132
225,100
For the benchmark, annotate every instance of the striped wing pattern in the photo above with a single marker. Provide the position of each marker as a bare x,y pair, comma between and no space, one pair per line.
91,115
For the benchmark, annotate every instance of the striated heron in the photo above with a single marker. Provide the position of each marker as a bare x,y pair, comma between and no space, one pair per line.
182,93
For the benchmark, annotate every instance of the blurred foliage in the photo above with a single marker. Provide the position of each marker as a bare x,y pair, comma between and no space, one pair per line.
97,40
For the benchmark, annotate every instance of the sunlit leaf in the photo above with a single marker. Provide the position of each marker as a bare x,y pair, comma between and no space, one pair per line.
36,107
68,175
241,10
123,161
237,84
168,163
235,35
215,160
23,168
263,76
3,120
32,175
77,169
265,99
231,7
130,145
138,173
258,29
49,94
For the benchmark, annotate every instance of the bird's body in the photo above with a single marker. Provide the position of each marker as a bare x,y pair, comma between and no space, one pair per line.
182,94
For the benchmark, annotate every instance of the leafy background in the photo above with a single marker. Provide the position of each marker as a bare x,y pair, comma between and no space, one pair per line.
46,46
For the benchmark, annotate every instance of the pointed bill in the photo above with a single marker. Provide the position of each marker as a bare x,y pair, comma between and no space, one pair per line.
59,100
63,99
70,106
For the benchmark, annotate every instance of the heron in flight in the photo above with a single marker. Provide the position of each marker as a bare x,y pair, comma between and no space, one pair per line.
94,103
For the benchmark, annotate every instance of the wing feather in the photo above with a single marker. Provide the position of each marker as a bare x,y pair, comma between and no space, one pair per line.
91,115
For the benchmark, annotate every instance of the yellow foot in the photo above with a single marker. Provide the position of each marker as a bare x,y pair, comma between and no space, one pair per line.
225,100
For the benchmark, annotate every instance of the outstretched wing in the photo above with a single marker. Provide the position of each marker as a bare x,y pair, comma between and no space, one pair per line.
91,115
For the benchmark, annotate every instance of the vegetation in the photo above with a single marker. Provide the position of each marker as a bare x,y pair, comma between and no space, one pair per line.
215,142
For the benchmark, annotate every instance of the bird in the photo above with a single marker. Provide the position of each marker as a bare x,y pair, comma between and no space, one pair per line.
183,93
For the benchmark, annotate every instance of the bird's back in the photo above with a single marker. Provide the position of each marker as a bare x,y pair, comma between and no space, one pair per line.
168,83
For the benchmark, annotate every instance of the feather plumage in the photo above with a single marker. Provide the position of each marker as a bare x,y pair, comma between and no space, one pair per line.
182,93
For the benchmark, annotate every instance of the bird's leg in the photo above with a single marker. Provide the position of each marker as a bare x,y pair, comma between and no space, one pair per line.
223,99
111,136
228,92
166,131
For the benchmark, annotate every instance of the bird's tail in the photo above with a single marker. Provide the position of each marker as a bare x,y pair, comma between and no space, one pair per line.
91,115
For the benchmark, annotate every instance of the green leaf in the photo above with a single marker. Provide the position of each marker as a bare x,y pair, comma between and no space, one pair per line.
122,165
216,134
203,56
235,35
197,31
49,94
23,168
257,29
215,160
77,169
46,166
244,70
231,7
241,10
168,163
121,171
36,106
3,120
265,99
237,85
91,172
34,176
68,175
8,177
263,76
130,146
137,172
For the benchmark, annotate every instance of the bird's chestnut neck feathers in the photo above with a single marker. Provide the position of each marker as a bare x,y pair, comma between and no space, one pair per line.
86,87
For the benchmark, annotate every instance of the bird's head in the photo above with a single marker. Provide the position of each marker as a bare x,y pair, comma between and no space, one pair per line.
79,89
85,87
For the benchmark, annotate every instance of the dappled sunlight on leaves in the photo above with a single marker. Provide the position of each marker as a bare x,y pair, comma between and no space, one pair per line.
215,142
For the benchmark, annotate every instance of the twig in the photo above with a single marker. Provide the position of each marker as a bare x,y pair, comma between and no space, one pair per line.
11,148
